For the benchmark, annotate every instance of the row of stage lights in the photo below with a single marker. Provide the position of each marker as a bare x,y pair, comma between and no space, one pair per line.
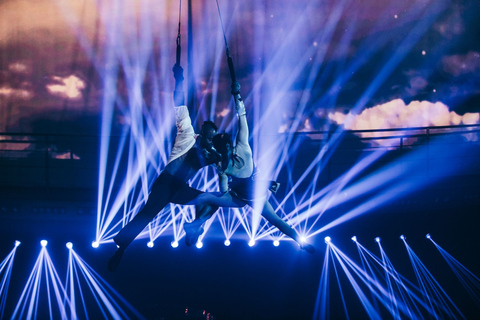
199,244
377,239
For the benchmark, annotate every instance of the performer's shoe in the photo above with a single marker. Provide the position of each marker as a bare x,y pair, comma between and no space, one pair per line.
193,231
115,259
307,247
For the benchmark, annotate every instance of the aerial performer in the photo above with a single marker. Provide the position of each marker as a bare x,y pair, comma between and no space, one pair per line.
238,181
238,176
190,153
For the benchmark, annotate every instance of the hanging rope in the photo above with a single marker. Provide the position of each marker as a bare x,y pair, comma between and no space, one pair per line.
229,59
179,49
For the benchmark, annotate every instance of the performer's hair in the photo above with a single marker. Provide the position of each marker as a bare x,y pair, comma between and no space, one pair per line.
208,125
220,142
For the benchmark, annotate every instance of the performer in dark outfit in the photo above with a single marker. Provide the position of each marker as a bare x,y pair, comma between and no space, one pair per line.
190,153
237,179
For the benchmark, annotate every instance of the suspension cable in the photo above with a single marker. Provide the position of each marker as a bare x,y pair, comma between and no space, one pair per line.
178,35
229,59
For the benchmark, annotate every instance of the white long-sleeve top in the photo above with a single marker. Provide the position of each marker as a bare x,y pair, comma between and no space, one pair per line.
186,136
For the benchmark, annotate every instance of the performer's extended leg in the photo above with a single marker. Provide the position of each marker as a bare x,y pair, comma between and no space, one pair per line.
162,190
206,204
269,214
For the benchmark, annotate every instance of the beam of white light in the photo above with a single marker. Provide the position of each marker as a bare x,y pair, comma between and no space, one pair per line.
101,289
6,272
337,276
70,282
229,221
470,282
321,306
372,313
369,269
139,62
330,194
410,40
408,294
395,179
375,287
33,286
440,303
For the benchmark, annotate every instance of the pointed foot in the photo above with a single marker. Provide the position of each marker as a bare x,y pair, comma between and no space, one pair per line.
193,231
115,259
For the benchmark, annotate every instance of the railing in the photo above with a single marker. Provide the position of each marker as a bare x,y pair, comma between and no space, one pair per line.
52,160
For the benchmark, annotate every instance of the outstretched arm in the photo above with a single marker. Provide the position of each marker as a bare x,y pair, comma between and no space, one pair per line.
178,94
242,136
185,137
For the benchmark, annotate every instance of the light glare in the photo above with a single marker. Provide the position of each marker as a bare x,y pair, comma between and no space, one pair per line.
276,243
251,243
43,243
174,244
354,238
328,239
150,244
199,244
227,242
402,237
95,244
17,243
69,245
377,239
428,236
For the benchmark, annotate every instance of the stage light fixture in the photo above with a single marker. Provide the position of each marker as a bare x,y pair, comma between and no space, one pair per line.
303,239
69,245
354,238
150,244
428,236
276,243
402,237
251,243
226,242
43,243
377,239
199,244
174,244
328,239
95,244
17,243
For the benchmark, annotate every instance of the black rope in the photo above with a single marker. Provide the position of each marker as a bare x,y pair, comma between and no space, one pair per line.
179,49
229,59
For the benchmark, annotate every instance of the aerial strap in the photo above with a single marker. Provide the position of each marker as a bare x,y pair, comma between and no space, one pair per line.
178,94
179,48
229,59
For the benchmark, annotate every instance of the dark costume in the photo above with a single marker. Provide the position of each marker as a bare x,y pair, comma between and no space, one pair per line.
244,188
171,186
